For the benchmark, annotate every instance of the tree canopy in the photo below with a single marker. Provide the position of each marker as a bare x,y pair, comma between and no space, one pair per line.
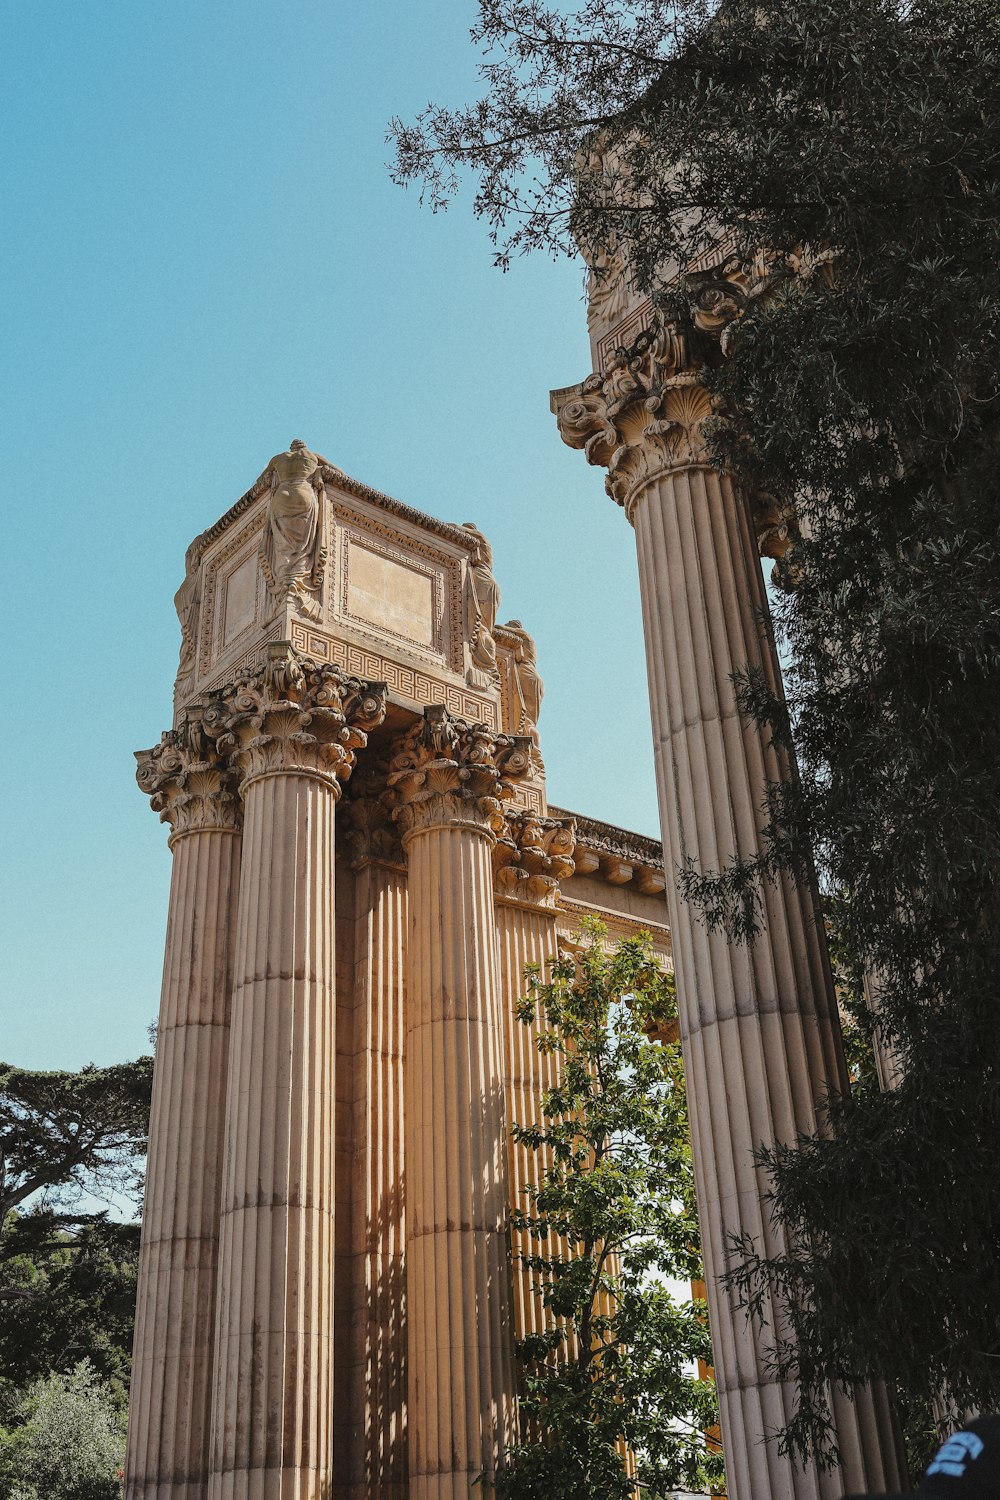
610,1224
72,1147
853,150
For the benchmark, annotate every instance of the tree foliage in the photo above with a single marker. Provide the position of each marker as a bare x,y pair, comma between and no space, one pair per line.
858,144
71,1150
69,1443
610,1222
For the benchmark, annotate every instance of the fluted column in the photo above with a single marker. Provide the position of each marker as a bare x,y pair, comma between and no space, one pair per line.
194,791
293,730
758,1024
532,855
372,1465
446,779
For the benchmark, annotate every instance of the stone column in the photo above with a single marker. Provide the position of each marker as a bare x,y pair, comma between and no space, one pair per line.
292,729
371,1336
194,791
446,782
532,855
759,1025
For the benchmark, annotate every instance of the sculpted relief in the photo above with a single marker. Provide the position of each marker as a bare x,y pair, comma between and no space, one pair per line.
187,601
524,684
481,605
293,552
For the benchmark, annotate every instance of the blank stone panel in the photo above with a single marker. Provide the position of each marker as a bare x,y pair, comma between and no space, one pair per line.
241,599
391,594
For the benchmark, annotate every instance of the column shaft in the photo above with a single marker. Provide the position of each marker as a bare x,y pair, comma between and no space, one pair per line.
272,1420
170,1406
758,1024
372,1346
461,1379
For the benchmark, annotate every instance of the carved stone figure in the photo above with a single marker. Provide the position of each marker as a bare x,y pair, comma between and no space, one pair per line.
292,552
527,688
482,603
186,602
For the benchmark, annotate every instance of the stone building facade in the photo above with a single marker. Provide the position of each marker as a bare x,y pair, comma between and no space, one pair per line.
364,860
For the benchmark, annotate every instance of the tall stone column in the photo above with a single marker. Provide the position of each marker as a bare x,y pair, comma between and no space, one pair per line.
293,729
371,1338
446,782
758,1024
532,855
194,791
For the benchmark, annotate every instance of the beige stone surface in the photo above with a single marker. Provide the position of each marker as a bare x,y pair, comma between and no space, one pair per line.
384,591
293,731
370,1321
759,1025
178,1260
447,781
339,1060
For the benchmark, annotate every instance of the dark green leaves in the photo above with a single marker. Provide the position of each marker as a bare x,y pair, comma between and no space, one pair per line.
611,1222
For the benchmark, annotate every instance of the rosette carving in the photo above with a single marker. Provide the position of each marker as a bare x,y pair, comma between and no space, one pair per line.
531,856
446,772
189,783
294,716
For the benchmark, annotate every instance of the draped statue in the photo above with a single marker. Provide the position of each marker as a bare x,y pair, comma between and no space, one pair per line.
482,603
527,688
292,552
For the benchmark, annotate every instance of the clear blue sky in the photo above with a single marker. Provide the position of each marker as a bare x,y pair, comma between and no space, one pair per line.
202,258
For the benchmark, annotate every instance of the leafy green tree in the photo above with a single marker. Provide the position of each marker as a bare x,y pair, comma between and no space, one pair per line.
858,144
71,1149
611,1221
69,1444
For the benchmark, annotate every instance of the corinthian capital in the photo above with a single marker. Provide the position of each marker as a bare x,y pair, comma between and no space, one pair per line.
447,773
294,717
190,784
643,415
531,856
368,827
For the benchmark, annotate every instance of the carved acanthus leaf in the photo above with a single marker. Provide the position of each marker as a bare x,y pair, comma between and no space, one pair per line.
531,856
294,715
446,772
190,784
367,823
644,414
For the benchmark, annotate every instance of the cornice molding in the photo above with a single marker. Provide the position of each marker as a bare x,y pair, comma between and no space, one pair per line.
615,855
335,477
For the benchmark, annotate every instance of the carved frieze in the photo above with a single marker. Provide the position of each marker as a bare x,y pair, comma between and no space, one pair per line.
445,772
403,679
615,855
190,784
294,715
532,854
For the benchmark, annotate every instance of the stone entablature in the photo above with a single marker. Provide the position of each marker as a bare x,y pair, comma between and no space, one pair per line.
615,855
357,580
